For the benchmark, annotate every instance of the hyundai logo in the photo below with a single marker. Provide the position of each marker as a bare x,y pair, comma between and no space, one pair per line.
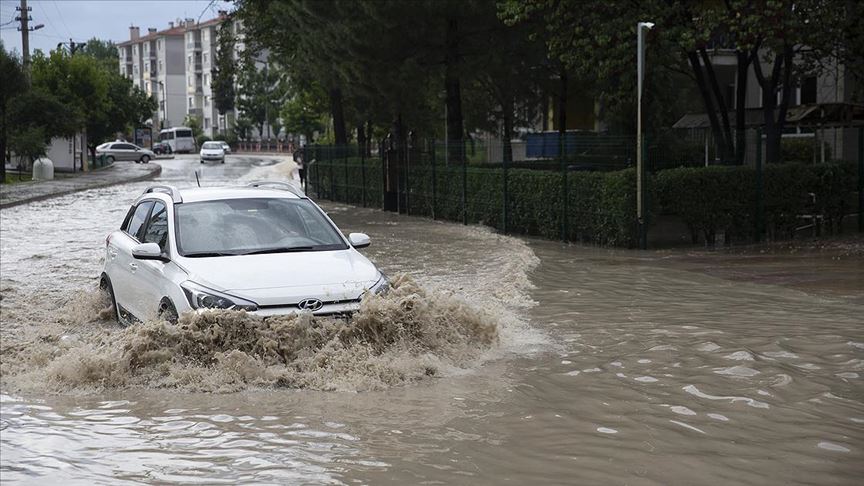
310,304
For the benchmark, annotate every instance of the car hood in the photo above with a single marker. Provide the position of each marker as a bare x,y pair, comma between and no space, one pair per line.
286,278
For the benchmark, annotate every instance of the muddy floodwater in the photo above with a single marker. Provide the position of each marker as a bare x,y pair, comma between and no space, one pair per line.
495,360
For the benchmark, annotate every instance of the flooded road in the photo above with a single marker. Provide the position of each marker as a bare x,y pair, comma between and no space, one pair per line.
609,367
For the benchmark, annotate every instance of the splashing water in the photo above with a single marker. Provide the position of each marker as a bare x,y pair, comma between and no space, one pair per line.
405,336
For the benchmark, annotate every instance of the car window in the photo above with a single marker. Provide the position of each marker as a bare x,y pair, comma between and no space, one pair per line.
212,145
238,226
124,146
184,133
157,227
138,218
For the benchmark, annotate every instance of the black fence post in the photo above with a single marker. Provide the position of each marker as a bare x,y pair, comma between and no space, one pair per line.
505,196
643,237
332,179
363,173
861,179
345,185
462,155
434,185
760,197
317,179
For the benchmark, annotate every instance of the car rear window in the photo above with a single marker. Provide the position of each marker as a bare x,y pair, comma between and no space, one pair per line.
184,133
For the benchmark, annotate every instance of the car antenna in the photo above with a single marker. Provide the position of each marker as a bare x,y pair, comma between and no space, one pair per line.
197,179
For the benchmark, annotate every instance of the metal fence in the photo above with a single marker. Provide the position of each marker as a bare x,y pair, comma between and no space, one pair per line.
586,195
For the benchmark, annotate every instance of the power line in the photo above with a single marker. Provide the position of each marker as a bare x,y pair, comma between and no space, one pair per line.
62,20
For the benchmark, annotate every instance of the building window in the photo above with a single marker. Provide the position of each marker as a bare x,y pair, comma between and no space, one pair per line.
808,90
206,101
206,81
204,56
191,102
188,80
206,123
160,65
159,44
190,59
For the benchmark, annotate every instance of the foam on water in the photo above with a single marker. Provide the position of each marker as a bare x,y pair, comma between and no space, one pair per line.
408,335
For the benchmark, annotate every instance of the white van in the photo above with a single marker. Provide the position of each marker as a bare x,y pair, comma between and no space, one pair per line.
180,139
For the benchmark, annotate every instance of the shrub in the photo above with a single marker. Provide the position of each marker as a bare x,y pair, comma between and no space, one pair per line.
200,139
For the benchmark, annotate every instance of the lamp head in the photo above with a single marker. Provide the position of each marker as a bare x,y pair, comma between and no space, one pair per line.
647,25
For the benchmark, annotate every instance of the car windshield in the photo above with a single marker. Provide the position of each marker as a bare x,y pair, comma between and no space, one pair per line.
212,146
253,226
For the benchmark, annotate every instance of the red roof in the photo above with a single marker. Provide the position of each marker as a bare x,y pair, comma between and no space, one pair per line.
175,31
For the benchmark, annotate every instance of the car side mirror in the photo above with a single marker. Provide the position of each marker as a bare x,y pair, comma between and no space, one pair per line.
148,251
359,240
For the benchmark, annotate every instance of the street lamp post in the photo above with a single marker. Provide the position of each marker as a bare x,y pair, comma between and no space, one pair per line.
641,27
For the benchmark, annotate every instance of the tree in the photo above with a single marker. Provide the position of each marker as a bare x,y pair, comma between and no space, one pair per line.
12,84
104,51
224,70
303,113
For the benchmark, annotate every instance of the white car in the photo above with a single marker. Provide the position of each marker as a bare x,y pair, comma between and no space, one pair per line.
212,151
225,146
264,248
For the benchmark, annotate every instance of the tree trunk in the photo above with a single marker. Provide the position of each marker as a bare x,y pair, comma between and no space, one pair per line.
727,150
367,150
561,123
774,126
361,139
340,135
508,134
452,86
3,144
740,108
710,109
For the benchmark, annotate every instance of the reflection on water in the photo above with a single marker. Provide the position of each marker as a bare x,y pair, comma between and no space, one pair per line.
612,368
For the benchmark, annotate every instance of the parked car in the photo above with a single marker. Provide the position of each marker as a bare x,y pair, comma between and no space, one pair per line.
124,151
162,148
225,146
212,151
264,248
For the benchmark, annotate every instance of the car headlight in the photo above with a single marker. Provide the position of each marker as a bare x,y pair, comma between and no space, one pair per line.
201,297
382,286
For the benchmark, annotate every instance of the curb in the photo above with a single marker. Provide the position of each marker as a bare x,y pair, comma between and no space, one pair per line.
43,197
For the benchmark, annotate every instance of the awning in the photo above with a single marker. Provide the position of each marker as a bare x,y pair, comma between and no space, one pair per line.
814,115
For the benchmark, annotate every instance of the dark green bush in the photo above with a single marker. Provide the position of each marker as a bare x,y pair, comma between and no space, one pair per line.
601,204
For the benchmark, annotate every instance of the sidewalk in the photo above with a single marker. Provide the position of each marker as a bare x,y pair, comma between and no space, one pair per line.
118,173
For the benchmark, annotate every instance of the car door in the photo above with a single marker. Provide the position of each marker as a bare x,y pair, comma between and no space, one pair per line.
124,279
150,276
127,151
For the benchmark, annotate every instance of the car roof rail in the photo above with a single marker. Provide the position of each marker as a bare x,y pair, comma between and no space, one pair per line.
291,187
164,188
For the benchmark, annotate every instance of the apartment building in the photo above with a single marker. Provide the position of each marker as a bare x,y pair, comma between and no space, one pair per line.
175,65
155,63
201,45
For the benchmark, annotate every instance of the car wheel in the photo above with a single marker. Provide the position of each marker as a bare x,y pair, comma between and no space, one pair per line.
202,161
167,311
145,159
105,286
109,159
223,161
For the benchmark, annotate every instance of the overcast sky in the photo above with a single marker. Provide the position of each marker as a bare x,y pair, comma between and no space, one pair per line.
105,19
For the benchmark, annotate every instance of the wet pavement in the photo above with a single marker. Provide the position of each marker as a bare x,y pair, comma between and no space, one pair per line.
117,173
611,367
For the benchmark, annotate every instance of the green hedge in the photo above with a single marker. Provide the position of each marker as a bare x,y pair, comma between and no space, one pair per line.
601,205
714,200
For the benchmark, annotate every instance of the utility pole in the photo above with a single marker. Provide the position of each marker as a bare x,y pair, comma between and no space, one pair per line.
24,18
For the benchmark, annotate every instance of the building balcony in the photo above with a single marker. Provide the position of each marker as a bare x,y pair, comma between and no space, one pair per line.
195,112
196,90
195,46
197,66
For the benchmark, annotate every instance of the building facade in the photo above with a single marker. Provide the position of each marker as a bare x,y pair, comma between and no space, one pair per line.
175,67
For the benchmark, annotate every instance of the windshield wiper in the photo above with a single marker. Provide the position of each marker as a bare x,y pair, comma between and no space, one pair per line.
205,254
281,249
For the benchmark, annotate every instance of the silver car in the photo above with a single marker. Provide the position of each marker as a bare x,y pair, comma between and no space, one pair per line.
124,151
